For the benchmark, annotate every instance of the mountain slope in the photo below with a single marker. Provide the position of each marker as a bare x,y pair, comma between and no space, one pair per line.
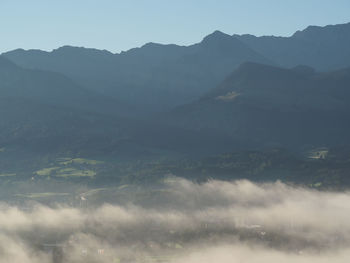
53,89
36,127
273,106
46,111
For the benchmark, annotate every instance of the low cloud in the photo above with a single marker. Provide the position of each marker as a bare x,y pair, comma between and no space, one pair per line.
182,221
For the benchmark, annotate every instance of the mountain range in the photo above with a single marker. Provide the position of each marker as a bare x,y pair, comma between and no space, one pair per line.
222,94
155,76
160,77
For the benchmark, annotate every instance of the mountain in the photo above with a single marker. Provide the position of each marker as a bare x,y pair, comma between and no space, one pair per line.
272,106
38,130
323,48
36,127
259,104
54,89
156,76
47,112
42,110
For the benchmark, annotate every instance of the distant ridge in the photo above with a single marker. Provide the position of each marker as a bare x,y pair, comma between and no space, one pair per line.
323,48
156,76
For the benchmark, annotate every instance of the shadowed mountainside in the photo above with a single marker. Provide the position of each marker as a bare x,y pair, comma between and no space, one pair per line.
47,112
54,89
273,106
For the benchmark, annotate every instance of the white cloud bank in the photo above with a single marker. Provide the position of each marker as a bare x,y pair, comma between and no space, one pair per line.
188,223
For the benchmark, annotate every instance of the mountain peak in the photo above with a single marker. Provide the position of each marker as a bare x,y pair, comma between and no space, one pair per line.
216,36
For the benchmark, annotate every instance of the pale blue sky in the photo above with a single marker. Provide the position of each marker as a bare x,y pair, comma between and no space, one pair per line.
118,25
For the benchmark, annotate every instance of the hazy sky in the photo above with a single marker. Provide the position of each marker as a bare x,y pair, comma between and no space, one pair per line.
122,24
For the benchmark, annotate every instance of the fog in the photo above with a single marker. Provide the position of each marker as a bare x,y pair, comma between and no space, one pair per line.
185,222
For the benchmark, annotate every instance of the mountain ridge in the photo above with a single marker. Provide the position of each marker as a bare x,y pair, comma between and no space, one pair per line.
269,105
154,74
